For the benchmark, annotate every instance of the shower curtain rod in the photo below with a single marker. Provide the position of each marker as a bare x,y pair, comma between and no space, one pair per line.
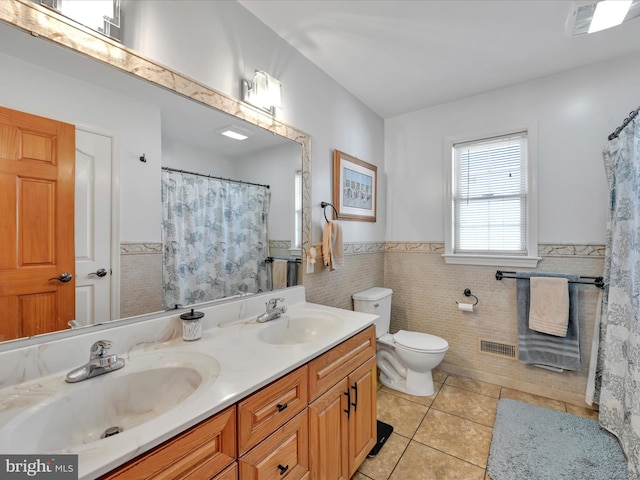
169,169
626,122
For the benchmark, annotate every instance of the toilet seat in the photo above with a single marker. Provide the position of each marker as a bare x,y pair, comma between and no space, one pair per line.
420,342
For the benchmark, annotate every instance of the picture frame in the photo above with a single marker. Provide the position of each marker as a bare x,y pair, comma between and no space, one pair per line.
355,188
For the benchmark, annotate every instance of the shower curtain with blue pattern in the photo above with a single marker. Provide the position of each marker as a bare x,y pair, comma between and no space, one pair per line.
214,238
614,381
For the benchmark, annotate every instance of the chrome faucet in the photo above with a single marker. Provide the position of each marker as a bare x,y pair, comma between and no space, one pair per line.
273,311
100,361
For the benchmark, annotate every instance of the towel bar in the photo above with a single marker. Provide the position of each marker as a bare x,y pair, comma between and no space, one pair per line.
290,260
597,281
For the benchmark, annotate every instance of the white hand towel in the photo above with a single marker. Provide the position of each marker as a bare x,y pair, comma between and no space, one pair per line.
549,305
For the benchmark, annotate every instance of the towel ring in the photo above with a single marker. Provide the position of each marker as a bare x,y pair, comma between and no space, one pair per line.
467,293
325,205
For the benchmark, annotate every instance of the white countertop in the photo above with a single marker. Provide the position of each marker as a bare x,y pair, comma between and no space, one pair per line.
246,364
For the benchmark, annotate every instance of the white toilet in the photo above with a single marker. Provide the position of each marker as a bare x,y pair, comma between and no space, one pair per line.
405,359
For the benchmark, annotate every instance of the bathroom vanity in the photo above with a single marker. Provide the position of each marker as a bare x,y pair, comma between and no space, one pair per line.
290,398
317,422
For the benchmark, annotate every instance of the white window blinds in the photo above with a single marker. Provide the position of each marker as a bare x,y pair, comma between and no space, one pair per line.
297,210
490,196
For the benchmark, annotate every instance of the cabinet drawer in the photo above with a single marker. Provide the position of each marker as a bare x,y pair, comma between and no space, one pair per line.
284,455
197,454
331,367
230,473
270,408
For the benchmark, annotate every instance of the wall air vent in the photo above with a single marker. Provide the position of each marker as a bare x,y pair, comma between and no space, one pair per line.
499,349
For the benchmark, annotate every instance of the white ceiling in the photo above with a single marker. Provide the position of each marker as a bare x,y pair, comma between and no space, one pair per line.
400,56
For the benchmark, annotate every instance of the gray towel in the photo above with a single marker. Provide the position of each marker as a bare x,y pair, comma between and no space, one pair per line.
541,349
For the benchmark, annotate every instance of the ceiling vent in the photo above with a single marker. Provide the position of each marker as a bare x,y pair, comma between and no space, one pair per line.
582,13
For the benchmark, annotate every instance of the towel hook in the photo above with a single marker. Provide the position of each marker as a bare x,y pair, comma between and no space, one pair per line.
467,293
325,205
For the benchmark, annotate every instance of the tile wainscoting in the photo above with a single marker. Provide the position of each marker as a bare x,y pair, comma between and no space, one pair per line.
425,294
424,300
363,268
140,278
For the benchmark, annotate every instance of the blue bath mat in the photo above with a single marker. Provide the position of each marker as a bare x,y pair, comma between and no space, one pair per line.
536,443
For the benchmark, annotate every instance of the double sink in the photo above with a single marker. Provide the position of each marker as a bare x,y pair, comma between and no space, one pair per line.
48,415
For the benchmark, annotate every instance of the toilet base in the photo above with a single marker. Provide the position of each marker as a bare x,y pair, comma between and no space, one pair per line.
416,383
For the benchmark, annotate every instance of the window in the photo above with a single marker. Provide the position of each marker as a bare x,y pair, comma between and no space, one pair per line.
491,203
296,243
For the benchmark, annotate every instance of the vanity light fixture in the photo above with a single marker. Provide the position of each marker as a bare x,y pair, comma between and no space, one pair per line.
234,132
98,15
263,91
593,16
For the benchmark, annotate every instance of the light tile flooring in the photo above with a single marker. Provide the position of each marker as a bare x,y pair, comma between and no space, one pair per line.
445,436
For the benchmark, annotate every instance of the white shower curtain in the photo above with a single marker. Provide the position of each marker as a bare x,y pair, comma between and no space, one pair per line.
615,376
214,236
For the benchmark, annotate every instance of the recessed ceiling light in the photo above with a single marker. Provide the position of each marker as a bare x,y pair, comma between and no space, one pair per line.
609,14
234,132
594,15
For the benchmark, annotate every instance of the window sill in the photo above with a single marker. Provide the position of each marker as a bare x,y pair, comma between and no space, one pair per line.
491,260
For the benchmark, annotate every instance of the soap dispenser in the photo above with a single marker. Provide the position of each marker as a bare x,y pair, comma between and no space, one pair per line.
191,325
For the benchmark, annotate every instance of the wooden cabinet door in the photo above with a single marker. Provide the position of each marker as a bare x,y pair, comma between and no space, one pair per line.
362,420
37,162
328,430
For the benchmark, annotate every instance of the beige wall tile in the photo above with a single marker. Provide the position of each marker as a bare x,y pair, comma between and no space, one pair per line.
425,291
335,288
140,283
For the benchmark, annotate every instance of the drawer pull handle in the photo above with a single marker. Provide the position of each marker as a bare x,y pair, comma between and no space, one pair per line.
282,406
283,469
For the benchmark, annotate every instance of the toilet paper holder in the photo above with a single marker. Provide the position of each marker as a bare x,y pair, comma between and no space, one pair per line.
467,293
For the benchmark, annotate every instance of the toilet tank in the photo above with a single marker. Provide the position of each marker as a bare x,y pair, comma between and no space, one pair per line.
375,300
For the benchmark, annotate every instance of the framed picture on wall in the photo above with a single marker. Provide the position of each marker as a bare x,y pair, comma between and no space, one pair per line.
354,188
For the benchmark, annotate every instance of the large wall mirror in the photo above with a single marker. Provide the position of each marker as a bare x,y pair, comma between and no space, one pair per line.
152,120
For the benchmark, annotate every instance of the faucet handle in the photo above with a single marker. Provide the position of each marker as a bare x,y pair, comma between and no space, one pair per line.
273,303
100,348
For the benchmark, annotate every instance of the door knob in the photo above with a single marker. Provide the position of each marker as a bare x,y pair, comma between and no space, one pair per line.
64,277
101,272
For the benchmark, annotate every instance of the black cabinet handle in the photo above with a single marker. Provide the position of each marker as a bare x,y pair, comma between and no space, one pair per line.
355,404
348,410
283,469
282,406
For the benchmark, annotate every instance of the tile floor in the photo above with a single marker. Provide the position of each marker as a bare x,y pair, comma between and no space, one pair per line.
445,436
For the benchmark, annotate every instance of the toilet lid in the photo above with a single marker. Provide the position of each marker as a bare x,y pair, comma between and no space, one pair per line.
422,342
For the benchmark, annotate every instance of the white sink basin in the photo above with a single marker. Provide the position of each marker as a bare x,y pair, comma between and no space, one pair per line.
55,416
300,327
